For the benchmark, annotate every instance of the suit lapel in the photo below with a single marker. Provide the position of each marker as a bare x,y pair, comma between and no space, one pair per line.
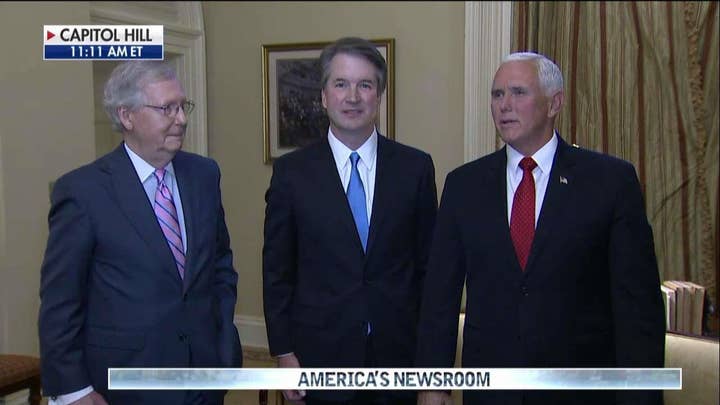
134,204
331,186
188,196
556,198
497,206
384,175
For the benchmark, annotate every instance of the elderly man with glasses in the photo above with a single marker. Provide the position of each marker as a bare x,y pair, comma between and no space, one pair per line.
138,268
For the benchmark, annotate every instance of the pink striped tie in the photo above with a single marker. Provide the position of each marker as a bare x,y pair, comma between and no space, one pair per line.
167,217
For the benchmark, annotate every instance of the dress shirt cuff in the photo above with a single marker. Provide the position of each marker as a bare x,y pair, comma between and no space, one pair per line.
284,354
71,397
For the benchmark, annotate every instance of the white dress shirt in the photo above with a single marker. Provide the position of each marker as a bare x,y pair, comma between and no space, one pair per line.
145,173
544,158
367,164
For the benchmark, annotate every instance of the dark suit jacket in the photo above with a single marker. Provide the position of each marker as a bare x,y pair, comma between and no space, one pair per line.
111,295
589,296
320,288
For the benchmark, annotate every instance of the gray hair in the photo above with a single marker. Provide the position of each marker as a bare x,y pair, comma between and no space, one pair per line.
125,87
357,47
549,75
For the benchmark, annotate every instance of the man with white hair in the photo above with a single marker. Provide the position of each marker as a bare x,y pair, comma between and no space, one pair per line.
138,268
555,249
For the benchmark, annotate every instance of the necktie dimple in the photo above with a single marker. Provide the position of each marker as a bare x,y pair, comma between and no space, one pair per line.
356,198
166,214
522,217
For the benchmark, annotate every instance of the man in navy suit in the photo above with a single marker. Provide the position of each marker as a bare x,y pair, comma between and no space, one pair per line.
555,249
347,232
138,268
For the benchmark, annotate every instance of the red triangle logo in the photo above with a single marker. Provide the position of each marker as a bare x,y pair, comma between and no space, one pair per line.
50,35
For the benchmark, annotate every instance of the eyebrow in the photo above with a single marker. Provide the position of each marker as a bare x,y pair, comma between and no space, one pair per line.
511,88
342,79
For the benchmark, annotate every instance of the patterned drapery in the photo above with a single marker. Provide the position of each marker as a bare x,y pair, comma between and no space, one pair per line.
641,83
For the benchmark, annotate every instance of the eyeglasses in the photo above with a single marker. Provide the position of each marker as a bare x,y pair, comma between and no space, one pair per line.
171,110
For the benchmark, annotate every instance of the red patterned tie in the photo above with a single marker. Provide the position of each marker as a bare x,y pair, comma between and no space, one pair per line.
522,217
167,217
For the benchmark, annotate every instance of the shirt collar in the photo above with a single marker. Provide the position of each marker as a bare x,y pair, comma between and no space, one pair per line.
341,153
144,169
543,157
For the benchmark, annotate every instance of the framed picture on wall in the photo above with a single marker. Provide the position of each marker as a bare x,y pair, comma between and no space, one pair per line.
293,114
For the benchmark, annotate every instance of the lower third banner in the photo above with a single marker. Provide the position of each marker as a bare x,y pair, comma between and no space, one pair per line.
395,379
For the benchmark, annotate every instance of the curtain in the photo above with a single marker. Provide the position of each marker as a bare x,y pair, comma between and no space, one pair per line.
641,83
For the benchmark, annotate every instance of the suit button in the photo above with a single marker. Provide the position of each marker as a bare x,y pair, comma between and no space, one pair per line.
524,291
182,337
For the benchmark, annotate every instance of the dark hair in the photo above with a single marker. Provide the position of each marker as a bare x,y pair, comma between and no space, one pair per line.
358,47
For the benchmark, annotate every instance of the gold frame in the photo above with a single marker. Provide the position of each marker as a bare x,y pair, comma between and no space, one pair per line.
273,52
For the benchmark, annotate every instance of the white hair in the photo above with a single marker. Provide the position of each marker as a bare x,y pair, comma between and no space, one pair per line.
126,83
549,75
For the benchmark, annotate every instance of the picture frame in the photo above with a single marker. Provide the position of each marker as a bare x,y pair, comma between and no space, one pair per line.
293,115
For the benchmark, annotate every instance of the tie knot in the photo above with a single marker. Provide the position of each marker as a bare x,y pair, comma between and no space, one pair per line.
527,164
354,157
160,175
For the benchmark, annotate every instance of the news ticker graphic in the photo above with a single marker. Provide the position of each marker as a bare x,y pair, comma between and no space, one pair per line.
394,379
103,42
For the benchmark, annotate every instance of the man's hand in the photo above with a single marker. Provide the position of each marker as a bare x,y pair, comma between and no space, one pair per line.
434,398
290,361
92,398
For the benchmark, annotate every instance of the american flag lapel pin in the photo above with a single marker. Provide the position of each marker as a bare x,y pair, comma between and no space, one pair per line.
563,180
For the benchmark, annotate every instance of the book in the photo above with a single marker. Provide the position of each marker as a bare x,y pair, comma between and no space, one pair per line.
684,301
669,301
697,293
682,309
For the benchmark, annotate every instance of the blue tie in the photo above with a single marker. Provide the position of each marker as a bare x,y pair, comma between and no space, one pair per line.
356,198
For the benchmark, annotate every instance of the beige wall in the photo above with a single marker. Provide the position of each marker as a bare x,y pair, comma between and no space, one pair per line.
45,130
46,120
429,95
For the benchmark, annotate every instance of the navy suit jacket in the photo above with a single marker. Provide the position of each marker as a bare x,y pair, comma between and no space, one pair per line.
320,288
590,293
111,295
